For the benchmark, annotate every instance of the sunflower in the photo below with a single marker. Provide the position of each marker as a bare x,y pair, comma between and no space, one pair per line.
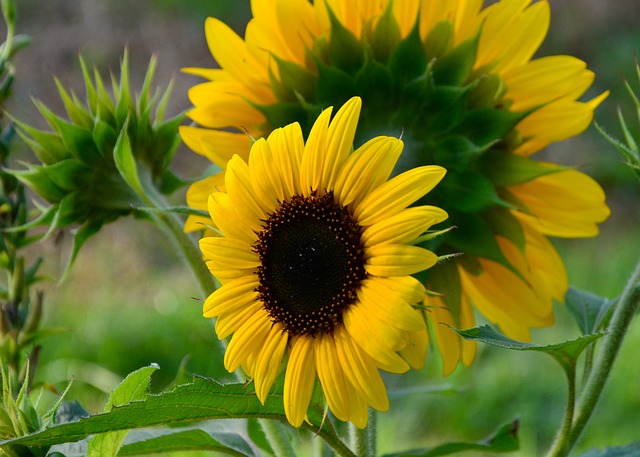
459,83
315,261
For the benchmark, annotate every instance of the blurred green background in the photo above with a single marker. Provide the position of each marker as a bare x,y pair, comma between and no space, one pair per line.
129,300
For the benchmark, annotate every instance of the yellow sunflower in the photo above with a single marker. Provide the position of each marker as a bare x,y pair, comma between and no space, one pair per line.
458,82
315,262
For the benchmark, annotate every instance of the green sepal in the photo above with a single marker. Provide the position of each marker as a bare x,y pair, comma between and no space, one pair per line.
445,280
105,138
68,174
47,146
386,35
143,98
408,61
77,114
37,179
474,237
126,163
454,152
334,84
486,90
375,83
278,114
508,169
346,52
165,143
439,40
86,231
445,108
122,94
295,81
486,126
77,140
454,67
566,354
505,224
469,192
168,182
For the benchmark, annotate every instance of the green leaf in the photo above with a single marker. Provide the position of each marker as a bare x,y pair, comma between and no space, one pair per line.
631,450
590,311
485,126
203,399
147,442
566,354
133,388
504,440
408,60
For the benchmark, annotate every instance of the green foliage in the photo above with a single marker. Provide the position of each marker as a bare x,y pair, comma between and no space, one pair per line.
566,354
504,440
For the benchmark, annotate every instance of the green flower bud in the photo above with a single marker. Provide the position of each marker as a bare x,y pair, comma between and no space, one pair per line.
86,173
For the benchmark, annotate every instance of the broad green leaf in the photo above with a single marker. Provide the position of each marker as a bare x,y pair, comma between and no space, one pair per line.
504,440
565,353
632,450
147,442
133,388
203,399
590,311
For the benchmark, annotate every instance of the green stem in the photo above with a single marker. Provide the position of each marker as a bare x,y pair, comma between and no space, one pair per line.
561,443
622,316
184,244
363,441
280,441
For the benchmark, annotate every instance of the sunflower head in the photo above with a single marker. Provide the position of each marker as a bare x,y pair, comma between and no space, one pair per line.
315,256
458,82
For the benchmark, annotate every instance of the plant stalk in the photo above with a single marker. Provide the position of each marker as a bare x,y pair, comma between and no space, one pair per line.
625,310
363,442
561,443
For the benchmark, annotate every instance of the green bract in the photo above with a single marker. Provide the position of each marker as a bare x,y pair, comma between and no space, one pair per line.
81,174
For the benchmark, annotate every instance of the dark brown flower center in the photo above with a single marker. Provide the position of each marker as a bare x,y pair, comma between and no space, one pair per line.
312,263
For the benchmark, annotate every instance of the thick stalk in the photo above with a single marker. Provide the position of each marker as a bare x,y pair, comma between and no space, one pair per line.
561,443
363,442
622,316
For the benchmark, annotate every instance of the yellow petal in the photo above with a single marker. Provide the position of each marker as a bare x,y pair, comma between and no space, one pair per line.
565,204
367,168
229,323
332,377
388,305
361,370
287,146
249,338
396,194
269,360
359,328
299,379
314,153
264,176
397,260
415,352
448,340
467,320
216,108
226,219
404,226
249,207
340,141
407,287
233,296
198,197
229,252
